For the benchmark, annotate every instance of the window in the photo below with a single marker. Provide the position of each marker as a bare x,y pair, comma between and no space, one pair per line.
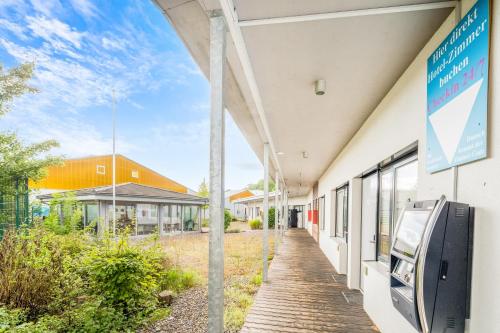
321,203
135,174
147,219
125,215
101,169
341,206
398,185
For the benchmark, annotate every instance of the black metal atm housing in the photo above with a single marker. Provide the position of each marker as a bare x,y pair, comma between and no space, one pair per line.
431,260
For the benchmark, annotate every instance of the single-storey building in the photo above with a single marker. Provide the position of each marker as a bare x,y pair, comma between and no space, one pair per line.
145,209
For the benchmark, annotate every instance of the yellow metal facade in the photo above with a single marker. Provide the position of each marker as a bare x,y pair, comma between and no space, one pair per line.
240,195
88,172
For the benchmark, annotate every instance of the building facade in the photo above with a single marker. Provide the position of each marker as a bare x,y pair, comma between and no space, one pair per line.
144,210
94,171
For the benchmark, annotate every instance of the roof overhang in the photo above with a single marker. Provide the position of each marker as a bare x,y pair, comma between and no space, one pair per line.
276,50
84,198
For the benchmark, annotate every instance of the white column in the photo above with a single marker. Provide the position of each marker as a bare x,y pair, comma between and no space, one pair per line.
265,217
216,237
276,210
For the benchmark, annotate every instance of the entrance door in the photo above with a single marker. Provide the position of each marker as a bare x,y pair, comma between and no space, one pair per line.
368,222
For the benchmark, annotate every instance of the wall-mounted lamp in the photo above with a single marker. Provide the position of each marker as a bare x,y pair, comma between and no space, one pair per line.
304,154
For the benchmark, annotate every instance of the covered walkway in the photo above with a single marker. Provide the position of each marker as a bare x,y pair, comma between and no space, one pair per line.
304,294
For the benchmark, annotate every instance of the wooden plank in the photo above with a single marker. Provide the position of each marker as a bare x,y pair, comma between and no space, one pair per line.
302,294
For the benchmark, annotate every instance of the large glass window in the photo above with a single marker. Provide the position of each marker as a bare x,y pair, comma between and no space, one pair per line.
147,219
190,218
91,214
167,222
175,217
341,208
125,215
398,185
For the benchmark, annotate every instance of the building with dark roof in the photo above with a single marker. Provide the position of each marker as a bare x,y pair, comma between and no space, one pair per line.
144,208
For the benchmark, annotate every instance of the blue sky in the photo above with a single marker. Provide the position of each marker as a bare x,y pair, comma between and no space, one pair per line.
83,49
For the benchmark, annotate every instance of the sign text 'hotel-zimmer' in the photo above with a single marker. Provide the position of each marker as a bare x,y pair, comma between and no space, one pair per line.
457,93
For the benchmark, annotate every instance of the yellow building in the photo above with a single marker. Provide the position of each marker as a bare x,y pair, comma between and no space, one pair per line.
75,174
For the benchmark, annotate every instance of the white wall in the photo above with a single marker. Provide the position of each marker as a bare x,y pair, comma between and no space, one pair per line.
398,121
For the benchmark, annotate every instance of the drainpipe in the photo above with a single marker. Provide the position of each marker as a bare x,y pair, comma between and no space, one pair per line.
265,217
216,236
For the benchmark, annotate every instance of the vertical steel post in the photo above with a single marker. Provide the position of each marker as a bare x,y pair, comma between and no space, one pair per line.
276,213
265,218
114,164
216,237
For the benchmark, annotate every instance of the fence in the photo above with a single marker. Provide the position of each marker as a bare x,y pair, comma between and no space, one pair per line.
14,205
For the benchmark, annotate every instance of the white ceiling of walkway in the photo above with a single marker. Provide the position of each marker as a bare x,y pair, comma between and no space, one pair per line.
359,57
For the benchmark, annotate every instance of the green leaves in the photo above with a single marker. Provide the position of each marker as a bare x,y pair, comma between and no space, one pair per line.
14,83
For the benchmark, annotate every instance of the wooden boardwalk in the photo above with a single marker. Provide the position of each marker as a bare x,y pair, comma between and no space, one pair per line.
304,294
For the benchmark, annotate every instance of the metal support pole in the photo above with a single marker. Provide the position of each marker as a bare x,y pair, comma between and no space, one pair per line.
216,207
265,217
114,164
276,212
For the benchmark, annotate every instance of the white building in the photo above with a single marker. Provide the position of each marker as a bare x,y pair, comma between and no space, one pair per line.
360,144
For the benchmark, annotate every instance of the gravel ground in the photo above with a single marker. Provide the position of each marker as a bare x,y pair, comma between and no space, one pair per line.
189,314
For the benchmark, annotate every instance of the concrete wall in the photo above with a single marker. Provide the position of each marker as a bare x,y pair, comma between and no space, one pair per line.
397,122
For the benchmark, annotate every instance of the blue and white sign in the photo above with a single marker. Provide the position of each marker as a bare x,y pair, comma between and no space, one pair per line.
457,93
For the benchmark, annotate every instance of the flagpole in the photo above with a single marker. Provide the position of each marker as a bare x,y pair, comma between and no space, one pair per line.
114,164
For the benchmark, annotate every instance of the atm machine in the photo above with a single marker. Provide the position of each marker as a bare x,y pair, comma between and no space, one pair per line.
431,260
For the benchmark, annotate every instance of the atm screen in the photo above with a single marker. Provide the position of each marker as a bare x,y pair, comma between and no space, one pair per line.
410,231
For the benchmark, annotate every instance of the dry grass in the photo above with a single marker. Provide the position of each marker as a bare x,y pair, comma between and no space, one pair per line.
242,253
242,267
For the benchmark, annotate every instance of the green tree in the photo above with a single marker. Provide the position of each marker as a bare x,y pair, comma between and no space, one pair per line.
20,161
14,83
203,189
260,185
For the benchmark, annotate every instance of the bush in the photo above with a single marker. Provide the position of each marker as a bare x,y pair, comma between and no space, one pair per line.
271,215
74,283
255,224
125,276
177,280
33,268
227,218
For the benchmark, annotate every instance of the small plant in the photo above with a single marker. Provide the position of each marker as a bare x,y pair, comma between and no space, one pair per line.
227,219
205,223
255,224
270,217
177,280
233,231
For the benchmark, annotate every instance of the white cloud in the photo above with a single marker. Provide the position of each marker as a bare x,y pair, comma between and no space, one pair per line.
85,8
55,32
47,7
16,29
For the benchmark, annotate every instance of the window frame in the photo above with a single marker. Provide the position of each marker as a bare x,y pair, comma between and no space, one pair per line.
321,212
390,168
345,211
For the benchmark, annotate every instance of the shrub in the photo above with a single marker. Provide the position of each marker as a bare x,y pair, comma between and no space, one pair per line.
124,276
205,223
227,218
32,270
177,280
255,224
65,214
270,217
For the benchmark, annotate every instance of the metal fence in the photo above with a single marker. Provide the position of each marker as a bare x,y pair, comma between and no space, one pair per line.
14,205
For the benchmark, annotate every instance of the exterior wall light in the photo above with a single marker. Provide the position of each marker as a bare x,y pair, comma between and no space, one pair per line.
320,87
304,154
